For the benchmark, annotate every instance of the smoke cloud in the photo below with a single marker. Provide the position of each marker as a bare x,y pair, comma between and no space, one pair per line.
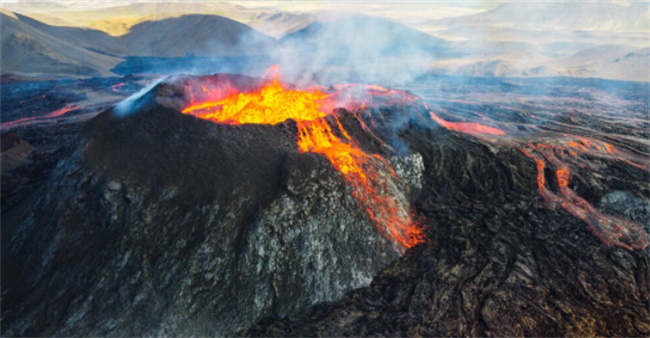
131,103
356,48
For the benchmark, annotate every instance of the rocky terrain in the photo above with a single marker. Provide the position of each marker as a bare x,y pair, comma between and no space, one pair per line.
146,221
496,262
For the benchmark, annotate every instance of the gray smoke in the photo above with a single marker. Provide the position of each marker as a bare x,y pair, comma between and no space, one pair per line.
356,48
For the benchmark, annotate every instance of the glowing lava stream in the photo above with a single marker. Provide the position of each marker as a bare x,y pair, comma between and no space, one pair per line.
274,104
59,112
611,230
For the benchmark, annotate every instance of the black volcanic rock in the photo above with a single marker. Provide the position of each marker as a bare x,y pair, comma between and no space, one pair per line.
625,204
497,261
164,224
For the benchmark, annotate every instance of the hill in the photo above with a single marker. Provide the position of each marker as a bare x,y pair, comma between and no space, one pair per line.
359,48
28,47
199,35
565,16
363,37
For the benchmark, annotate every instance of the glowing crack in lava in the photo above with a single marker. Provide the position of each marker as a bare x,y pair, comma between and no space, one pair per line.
471,128
27,120
557,152
611,230
273,104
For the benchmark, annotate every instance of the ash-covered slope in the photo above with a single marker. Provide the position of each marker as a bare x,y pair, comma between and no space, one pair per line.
360,38
27,47
198,35
30,46
164,224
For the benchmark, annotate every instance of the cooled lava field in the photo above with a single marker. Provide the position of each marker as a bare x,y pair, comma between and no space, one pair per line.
224,205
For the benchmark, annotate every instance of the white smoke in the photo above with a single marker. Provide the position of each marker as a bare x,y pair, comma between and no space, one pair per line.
345,48
129,104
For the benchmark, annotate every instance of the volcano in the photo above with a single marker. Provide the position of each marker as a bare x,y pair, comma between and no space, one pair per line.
226,204
266,226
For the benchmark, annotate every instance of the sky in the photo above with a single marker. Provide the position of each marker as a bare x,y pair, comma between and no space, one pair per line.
486,4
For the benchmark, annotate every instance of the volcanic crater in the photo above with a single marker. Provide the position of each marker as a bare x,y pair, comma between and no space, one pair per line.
264,228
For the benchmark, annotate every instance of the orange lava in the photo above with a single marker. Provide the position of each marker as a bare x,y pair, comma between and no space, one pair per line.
467,127
62,111
611,230
273,103
116,87
53,114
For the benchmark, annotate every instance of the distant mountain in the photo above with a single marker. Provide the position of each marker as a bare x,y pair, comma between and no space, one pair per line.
29,47
559,16
360,37
117,20
358,48
279,24
594,55
198,35
606,62
492,50
626,65
83,37
515,39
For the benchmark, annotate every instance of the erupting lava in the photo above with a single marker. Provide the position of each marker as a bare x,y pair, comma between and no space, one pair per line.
273,103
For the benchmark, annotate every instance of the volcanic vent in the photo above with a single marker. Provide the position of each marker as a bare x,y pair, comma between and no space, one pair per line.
273,104
178,221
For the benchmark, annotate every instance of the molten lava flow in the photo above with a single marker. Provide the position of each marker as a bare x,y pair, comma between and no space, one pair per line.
274,104
360,171
271,105
18,122
611,230
117,87
53,114
471,128
62,111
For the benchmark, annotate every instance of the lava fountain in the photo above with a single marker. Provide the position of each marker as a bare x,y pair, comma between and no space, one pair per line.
274,103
